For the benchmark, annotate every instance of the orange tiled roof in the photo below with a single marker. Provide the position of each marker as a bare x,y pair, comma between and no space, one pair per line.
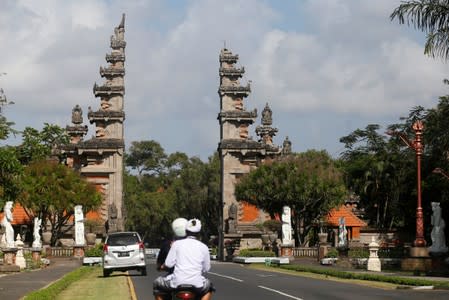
351,220
19,216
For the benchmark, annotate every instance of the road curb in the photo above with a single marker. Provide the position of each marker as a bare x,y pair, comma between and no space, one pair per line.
131,287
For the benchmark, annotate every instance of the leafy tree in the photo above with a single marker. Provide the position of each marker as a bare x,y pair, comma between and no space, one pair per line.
51,191
10,171
431,17
38,145
377,169
146,157
5,125
310,183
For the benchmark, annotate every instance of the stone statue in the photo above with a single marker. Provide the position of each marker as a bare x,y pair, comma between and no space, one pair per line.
6,223
437,234
287,147
79,225
286,226
232,220
37,243
112,218
267,115
342,233
77,115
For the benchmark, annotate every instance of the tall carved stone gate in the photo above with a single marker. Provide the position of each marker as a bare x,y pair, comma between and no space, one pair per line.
239,153
100,159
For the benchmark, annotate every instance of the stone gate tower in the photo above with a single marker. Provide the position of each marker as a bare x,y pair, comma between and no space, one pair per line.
239,153
100,159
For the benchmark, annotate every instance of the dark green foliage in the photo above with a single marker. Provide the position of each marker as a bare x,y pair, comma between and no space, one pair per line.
358,252
10,172
167,187
310,183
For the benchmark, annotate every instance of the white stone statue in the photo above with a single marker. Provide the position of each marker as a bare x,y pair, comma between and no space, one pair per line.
286,226
37,243
437,234
342,233
79,225
6,223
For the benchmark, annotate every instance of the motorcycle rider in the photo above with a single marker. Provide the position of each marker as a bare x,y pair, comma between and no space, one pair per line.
179,232
191,259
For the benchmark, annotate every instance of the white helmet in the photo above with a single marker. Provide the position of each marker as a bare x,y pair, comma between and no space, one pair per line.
179,227
193,225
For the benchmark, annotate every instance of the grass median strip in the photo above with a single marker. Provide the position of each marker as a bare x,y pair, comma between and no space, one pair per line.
392,280
85,283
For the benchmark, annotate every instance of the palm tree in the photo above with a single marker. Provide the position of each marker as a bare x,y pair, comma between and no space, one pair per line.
431,17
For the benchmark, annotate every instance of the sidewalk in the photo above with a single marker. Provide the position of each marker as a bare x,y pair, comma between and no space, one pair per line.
14,286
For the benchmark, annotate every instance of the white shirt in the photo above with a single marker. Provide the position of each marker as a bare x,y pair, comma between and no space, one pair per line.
190,258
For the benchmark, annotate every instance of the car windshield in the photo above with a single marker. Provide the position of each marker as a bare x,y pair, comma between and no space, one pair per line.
123,239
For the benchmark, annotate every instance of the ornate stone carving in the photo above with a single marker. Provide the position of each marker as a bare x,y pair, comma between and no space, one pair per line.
267,116
77,115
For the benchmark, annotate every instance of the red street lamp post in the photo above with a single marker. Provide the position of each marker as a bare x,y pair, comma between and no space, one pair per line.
418,147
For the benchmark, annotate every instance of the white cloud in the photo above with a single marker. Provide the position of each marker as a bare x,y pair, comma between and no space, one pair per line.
326,69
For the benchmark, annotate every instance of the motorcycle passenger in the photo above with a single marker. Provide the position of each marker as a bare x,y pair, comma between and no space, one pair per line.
191,259
179,232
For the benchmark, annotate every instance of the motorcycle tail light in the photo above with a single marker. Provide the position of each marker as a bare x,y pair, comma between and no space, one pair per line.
183,295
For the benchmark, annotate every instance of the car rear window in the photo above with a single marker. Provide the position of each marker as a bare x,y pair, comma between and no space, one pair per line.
123,239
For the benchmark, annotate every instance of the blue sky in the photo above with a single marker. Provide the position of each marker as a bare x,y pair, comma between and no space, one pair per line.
326,67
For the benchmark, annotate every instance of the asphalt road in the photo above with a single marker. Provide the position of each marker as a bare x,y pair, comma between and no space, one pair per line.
234,281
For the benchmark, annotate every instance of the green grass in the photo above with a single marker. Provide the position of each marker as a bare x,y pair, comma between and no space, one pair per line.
85,283
369,277
57,287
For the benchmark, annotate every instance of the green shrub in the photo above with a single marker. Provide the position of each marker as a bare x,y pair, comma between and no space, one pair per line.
256,253
358,252
370,277
96,251
332,253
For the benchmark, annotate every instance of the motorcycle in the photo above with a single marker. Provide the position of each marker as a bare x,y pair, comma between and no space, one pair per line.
183,292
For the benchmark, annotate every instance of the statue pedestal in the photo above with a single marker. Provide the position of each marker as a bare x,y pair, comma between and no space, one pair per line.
322,250
9,260
9,256
287,250
36,254
78,251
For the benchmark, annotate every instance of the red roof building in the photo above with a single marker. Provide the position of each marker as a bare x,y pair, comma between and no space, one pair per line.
352,222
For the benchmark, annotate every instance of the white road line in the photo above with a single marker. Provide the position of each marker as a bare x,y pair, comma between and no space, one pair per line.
224,276
279,292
